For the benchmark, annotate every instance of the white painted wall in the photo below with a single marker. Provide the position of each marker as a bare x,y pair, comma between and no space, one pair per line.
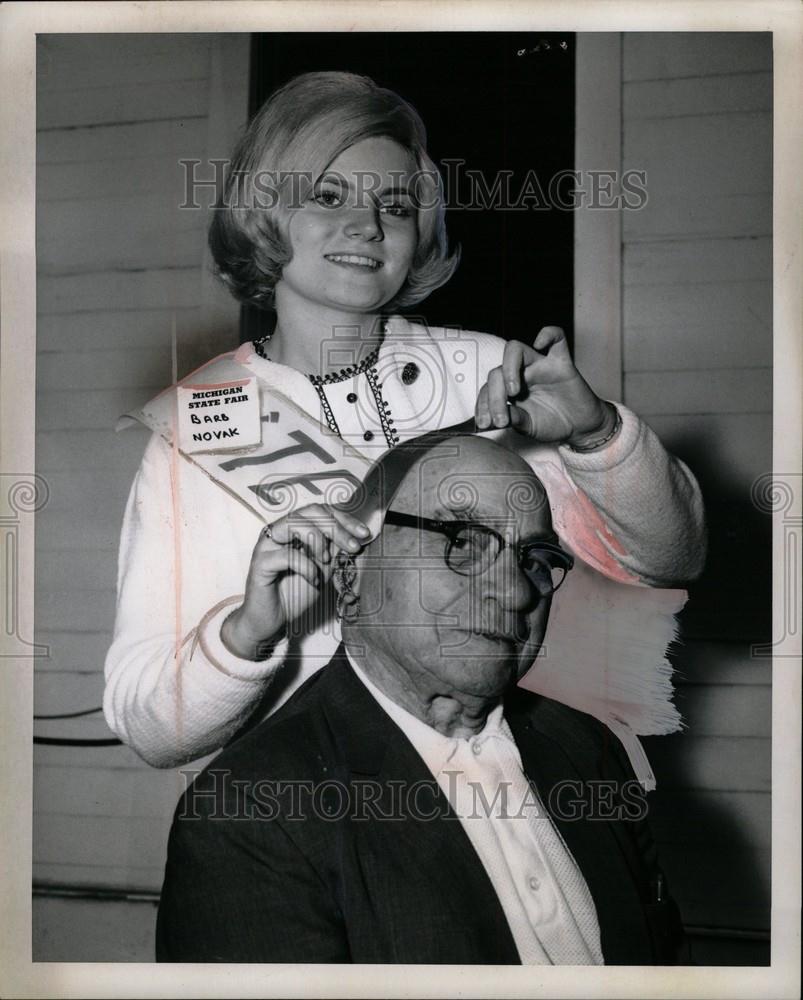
696,301
118,263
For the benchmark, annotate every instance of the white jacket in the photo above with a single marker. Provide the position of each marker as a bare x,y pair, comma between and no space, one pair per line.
173,690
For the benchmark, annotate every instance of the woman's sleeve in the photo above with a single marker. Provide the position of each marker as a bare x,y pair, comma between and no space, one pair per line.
649,500
173,691
629,509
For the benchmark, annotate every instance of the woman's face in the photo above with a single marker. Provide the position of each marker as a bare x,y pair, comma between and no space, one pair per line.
354,239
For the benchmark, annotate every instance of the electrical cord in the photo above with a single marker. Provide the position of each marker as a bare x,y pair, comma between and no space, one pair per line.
71,715
59,741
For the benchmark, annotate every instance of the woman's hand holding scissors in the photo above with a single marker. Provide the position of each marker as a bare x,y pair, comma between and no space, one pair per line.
292,560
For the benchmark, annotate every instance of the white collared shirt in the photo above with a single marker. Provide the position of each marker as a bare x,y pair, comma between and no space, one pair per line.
541,890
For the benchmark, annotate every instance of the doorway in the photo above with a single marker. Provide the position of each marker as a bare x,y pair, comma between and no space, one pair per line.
499,112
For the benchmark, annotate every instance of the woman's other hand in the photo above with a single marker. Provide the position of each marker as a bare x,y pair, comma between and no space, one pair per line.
539,391
289,566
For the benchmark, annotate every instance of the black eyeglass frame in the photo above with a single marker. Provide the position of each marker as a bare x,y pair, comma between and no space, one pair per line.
451,530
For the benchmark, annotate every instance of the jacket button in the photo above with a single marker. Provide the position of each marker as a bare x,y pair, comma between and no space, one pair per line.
352,397
409,373
368,436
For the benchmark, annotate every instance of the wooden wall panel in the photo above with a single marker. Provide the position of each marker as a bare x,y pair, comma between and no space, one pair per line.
106,329
691,184
110,931
670,56
698,261
698,95
697,345
724,390
120,266
112,103
70,62
74,651
97,409
116,144
121,232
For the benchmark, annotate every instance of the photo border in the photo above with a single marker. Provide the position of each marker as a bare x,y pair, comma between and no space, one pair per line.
19,24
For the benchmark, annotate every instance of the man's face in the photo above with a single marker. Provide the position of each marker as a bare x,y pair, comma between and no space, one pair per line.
474,632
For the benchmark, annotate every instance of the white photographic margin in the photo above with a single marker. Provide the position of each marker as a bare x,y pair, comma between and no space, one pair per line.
19,24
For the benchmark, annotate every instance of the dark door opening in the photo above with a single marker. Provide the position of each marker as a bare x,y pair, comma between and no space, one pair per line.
499,112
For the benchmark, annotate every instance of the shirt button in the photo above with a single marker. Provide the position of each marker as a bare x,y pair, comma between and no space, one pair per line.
534,883
409,373
352,397
476,749
368,436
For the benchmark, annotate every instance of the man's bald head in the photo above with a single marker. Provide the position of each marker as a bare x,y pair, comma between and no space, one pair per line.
471,476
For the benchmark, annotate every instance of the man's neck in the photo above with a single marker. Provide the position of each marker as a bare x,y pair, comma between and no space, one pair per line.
451,713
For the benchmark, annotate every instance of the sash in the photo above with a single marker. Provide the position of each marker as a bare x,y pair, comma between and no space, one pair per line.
293,461
606,643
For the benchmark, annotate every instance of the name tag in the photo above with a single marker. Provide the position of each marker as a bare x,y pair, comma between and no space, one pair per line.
218,417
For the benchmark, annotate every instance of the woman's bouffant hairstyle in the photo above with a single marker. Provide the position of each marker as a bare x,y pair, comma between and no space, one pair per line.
288,145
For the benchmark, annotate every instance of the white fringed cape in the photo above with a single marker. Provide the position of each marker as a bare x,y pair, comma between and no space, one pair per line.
605,654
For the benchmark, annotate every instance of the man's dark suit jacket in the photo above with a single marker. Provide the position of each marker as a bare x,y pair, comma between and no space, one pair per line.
247,882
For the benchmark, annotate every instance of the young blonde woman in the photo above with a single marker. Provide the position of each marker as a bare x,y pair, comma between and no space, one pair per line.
333,219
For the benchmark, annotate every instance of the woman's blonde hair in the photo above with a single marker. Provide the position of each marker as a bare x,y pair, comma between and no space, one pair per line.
290,142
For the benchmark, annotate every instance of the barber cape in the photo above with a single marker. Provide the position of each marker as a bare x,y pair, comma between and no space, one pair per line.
606,643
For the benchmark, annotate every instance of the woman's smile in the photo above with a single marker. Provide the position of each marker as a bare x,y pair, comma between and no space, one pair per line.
357,261
354,239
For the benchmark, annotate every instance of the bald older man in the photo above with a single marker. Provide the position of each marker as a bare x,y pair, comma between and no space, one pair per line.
410,803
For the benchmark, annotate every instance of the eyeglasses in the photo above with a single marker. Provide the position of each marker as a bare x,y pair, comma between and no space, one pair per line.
471,548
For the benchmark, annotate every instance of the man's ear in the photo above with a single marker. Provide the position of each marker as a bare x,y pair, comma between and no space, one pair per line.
535,646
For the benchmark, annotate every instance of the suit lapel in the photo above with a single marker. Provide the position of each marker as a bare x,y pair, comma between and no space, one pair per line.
411,883
430,897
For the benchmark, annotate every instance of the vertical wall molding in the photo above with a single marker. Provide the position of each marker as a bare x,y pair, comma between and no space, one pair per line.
598,232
